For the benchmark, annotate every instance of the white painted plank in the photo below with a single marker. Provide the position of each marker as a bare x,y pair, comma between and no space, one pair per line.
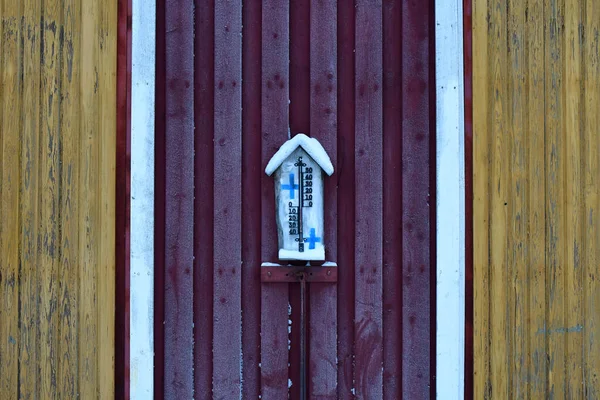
450,205
142,200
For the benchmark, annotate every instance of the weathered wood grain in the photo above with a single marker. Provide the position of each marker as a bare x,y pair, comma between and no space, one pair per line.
346,190
536,186
392,191
323,126
501,360
29,376
275,125
227,307
368,321
418,138
57,240
573,115
517,207
251,191
10,121
88,201
68,383
591,227
179,200
536,77
481,204
107,125
555,155
50,170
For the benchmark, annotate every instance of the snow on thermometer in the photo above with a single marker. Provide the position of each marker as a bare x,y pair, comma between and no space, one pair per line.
298,166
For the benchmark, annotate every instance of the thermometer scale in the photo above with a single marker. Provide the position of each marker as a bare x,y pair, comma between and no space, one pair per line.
305,200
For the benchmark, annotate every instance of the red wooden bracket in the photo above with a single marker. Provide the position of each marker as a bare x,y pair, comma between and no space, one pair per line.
290,274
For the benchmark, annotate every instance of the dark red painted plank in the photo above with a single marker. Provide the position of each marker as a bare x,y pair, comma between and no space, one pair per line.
227,333
275,125
417,137
299,122
468,77
323,126
123,192
344,176
300,66
392,192
251,190
369,239
203,207
179,199
159,205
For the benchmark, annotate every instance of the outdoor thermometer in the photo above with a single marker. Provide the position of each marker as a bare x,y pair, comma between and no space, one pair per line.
298,167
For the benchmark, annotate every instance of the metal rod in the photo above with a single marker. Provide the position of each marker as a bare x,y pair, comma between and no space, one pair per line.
303,387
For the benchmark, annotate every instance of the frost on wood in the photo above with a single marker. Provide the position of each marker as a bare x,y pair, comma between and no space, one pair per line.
310,145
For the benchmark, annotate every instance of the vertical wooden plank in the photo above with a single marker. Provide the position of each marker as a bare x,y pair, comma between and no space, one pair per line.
574,113
9,194
469,359
591,270
499,307
126,199
204,116
179,236
50,171
555,158
88,201
518,212
28,376
160,196
275,124
536,188
227,305
368,248
69,127
251,191
417,275
323,126
346,192
392,191
107,42
481,203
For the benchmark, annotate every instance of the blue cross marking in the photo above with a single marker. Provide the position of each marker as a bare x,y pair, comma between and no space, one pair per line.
312,239
291,187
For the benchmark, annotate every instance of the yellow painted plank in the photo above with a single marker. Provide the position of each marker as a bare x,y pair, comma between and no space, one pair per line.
518,246
537,359
49,245
501,362
89,201
9,192
69,278
481,209
107,143
591,268
30,191
555,197
573,201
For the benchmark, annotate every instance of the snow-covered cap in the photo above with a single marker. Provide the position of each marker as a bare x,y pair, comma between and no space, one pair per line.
310,145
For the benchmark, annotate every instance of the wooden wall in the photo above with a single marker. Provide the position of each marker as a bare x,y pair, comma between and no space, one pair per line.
536,181
357,76
57,190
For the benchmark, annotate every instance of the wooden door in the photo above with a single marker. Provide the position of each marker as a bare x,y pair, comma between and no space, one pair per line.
233,82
